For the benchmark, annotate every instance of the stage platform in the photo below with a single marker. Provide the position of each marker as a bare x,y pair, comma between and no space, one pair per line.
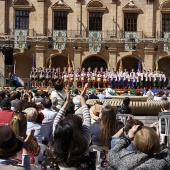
119,91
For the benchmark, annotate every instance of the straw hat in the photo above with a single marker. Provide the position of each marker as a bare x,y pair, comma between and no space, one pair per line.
95,111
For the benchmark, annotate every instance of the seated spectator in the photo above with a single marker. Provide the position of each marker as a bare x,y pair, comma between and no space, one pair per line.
158,96
10,144
123,132
110,92
124,108
40,131
92,95
17,96
48,113
150,94
71,136
101,95
19,125
148,156
125,93
59,93
105,127
6,113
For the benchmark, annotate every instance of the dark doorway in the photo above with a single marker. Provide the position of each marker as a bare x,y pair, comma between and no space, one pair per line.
129,63
93,62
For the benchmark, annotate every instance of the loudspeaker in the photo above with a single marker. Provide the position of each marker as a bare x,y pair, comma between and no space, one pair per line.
8,56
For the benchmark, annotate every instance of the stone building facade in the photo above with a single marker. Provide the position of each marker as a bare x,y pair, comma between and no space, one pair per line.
91,32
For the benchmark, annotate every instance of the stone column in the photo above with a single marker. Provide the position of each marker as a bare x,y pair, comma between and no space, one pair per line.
112,58
40,56
149,59
149,20
2,17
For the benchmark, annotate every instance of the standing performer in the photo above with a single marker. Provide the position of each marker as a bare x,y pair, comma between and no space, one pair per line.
83,77
42,77
89,76
65,77
132,78
55,76
78,77
99,79
49,80
60,75
145,79
32,79
163,79
94,78
121,79
105,79
71,77
140,76
36,77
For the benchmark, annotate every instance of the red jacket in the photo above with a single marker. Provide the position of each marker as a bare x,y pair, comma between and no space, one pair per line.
6,116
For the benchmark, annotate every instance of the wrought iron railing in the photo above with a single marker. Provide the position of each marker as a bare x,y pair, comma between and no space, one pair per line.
108,34
31,32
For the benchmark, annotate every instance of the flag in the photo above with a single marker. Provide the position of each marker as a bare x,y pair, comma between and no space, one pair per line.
68,64
121,65
139,63
50,63
156,63
34,61
15,62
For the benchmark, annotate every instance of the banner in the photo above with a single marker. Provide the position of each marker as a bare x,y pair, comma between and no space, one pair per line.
156,63
166,41
121,64
130,41
50,63
68,64
59,37
95,41
20,39
15,65
139,63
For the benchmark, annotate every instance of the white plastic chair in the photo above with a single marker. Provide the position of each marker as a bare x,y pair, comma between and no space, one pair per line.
123,117
165,136
98,149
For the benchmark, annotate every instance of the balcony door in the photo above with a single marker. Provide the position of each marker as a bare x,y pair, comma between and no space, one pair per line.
60,20
165,22
130,22
95,21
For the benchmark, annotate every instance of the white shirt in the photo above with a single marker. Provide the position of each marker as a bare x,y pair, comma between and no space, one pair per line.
57,94
110,92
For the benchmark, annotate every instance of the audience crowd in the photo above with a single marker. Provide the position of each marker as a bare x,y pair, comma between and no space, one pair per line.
57,130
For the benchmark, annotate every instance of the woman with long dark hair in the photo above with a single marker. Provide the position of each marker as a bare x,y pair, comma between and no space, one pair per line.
71,136
105,127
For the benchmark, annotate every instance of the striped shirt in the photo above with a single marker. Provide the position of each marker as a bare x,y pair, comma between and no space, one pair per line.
86,127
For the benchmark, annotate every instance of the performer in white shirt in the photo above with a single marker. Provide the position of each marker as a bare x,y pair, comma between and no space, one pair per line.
78,77
71,77
163,79
94,78
99,79
89,76
65,77
105,79
83,77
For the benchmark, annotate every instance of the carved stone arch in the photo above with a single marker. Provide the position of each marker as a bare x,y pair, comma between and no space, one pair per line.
131,7
165,7
61,6
22,4
94,5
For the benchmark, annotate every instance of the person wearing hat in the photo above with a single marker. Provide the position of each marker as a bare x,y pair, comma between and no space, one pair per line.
10,144
6,113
